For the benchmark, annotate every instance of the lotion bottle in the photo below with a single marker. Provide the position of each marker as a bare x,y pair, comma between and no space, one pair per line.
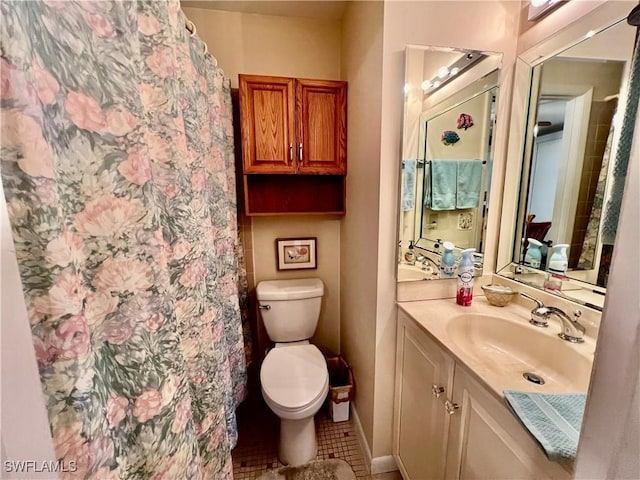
533,257
466,272
410,255
448,261
558,261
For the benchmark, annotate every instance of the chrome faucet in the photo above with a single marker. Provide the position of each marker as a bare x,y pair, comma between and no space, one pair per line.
572,330
426,262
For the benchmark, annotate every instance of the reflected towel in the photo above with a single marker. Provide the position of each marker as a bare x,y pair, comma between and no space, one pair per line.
621,164
408,184
469,180
553,419
442,191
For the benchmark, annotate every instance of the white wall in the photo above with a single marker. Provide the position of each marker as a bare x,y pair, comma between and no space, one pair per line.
288,47
362,68
24,426
439,23
270,45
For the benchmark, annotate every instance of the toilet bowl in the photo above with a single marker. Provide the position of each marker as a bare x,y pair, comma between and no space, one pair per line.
295,383
294,376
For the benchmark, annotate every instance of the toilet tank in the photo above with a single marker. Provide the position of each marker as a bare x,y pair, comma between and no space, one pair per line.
290,308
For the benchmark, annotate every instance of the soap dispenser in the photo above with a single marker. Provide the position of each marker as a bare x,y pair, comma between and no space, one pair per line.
533,257
466,272
558,261
448,261
410,255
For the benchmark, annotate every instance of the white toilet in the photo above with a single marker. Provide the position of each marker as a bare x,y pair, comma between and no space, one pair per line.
294,375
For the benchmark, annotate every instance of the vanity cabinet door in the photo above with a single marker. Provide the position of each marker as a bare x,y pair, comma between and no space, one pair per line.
293,125
321,109
420,420
267,116
487,441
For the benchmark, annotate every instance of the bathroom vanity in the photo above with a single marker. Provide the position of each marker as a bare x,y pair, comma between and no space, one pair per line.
452,365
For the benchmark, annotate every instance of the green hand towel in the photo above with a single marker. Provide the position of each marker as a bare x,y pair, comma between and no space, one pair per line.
468,183
443,176
554,420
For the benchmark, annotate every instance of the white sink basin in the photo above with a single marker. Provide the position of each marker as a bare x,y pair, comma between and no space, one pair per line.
407,273
504,346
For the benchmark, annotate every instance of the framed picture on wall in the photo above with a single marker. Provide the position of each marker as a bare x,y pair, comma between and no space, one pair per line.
296,253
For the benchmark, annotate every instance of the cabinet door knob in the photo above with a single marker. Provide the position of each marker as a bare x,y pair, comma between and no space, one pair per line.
300,152
451,407
437,390
290,153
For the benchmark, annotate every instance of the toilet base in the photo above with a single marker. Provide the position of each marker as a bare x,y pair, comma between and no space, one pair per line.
298,443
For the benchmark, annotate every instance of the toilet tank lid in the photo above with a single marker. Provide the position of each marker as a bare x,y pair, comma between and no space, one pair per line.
295,289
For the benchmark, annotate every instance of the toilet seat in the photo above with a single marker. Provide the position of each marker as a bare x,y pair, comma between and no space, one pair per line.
294,378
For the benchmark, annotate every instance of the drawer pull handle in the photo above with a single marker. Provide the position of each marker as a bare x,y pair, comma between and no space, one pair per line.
451,407
437,390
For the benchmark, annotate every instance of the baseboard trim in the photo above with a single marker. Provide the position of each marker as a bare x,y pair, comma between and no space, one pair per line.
362,440
378,464
383,464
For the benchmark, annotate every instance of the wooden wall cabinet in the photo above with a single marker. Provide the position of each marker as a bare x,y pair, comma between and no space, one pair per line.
294,145
447,425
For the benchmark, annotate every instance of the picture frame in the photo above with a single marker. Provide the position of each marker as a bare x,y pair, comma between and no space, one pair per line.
296,253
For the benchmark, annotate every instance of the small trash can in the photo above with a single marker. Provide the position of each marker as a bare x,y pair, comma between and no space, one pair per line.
340,389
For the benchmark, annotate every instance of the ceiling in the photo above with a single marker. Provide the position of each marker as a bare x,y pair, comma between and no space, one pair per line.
327,10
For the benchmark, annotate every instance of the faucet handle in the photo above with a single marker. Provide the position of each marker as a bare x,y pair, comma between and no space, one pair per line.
540,314
529,297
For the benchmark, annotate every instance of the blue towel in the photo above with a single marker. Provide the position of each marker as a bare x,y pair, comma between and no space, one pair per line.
554,419
469,179
408,184
442,192
623,153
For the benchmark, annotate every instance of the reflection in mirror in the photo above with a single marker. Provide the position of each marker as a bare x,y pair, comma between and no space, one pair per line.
449,117
572,133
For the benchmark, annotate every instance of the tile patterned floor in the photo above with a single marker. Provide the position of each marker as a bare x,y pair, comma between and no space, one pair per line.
257,449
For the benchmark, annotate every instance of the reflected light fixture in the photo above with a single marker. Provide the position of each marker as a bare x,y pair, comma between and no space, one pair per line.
443,72
446,73
426,85
538,8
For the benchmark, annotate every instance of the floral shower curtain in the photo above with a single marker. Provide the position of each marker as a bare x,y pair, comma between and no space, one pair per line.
117,166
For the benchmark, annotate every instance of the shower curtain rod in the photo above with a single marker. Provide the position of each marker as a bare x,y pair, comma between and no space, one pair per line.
423,162
427,162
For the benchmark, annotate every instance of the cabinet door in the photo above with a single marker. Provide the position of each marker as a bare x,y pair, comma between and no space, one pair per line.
321,109
420,420
268,124
487,441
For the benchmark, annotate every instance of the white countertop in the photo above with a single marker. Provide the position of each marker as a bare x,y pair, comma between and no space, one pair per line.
497,368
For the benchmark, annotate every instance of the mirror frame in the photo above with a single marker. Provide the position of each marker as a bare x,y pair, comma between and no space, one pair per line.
444,100
596,20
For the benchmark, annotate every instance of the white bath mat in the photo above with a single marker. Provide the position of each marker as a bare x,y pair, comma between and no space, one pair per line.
333,469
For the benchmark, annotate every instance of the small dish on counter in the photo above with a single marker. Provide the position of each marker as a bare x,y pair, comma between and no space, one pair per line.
498,295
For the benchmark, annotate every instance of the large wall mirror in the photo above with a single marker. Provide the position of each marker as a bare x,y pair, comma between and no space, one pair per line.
450,105
562,238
